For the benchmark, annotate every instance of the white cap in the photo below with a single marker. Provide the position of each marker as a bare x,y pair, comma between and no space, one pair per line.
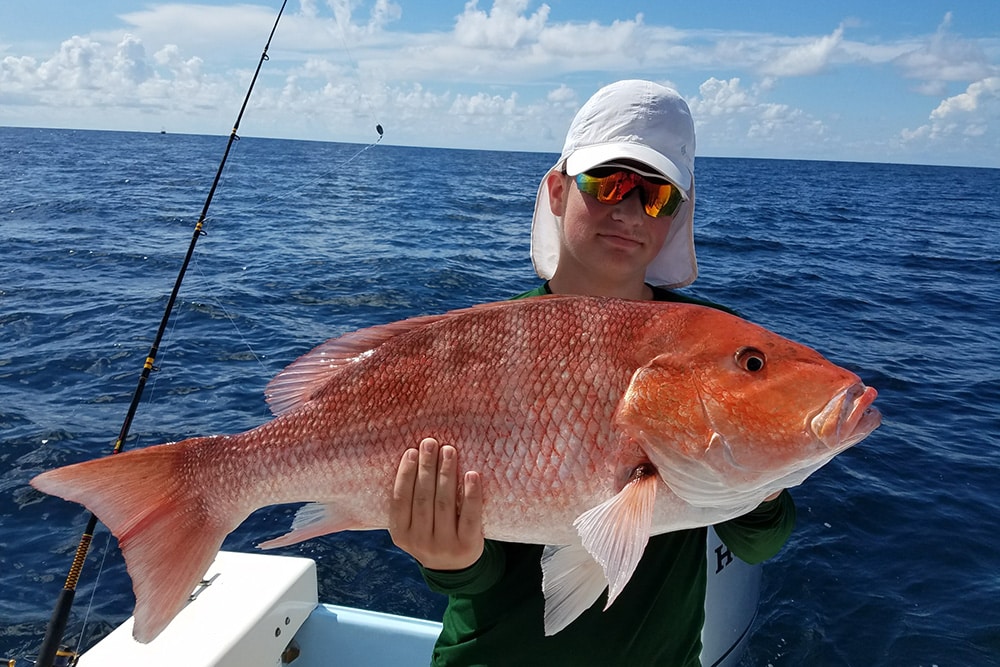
629,120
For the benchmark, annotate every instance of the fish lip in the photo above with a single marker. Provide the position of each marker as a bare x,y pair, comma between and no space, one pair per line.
847,418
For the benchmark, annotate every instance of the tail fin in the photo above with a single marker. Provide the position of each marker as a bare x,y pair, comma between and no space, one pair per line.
152,502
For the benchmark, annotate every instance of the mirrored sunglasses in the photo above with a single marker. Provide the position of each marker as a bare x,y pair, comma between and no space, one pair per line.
610,185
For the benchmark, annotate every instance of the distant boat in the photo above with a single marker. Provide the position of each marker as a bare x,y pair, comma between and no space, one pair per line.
163,130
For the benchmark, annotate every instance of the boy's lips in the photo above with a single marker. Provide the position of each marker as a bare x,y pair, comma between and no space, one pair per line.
620,240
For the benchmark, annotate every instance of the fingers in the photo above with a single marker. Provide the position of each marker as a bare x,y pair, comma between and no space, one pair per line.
447,486
425,487
470,521
401,503
427,517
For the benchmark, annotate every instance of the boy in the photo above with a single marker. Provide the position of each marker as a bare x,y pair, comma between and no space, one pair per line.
613,217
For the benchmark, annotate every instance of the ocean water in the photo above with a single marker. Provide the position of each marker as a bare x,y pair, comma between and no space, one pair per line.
892,271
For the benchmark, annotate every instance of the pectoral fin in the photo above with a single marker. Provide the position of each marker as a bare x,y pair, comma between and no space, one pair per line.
616,531
614,535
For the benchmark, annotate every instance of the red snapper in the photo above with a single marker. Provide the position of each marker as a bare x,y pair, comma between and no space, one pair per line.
595,423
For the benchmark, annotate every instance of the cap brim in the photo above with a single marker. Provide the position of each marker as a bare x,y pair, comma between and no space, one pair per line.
589,157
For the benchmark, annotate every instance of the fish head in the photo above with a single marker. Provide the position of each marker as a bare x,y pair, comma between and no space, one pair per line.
730,412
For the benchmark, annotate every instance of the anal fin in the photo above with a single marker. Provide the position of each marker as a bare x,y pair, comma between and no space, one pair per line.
312,520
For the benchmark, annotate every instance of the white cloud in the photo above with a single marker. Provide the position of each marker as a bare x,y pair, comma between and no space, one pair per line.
78,64
717,97
308,8
503,27
482,104
595,42
170,57
336,63
944,58
968,116
978,94
805,59
130,60
563,96
729,114
87,73
193,27
382,13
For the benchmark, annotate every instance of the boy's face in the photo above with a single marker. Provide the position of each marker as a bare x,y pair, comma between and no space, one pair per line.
613,240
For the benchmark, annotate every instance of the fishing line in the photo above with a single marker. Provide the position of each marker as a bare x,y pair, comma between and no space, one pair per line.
361,85
267,203
93,591
60,615
379,131
212,285
232,320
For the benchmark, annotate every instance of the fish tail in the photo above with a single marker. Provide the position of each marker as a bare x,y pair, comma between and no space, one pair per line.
167,532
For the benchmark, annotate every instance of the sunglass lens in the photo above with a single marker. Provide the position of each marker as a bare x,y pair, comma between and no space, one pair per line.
659,199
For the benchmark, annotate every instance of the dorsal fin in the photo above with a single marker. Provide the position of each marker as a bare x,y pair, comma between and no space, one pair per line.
301,379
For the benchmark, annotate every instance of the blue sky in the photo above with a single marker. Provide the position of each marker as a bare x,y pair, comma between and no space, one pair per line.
887,81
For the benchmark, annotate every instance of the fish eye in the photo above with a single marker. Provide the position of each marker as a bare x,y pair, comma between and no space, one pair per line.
750,359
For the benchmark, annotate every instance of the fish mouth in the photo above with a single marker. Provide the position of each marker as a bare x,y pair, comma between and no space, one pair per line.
848,418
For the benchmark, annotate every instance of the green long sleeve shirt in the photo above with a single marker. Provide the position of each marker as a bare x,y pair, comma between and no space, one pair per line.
495,607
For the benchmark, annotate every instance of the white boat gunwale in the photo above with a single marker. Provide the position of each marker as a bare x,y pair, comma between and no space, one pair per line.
263,610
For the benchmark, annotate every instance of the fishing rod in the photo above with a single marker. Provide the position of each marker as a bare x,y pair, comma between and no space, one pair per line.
60,615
